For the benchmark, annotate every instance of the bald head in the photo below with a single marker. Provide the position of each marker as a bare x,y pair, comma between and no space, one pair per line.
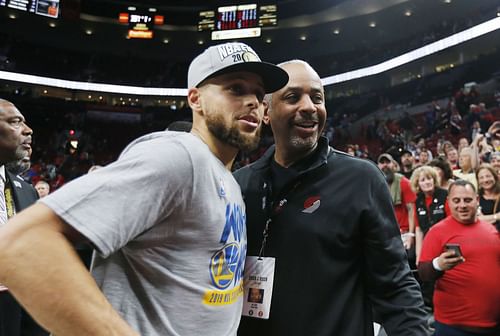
295,63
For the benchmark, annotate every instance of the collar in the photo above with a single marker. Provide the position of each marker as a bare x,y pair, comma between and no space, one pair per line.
312,161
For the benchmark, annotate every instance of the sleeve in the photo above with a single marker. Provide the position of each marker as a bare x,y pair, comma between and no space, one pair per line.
431,246
114,204
407,194
392,289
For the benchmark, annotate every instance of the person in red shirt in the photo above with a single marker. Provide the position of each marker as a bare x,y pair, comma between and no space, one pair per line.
403,198
467,295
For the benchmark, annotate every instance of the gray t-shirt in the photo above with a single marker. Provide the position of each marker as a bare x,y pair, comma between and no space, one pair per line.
168,222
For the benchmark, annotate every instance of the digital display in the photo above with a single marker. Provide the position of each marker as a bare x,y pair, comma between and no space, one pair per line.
268,16
238,17
140,25
40,7
23,5
207,21
47,8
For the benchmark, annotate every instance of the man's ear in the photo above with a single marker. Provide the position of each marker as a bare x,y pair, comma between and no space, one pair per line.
265,118
194,100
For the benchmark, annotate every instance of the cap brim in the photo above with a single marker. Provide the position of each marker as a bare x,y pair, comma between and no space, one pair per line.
273,77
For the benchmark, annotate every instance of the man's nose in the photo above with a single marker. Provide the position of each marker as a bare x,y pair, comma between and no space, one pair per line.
307,105
27,130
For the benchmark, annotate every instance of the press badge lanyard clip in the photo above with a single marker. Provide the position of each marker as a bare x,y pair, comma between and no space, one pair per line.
259,270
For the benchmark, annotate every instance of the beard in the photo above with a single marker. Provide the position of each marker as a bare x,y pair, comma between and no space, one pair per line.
18,154
389,175
231,135
19,167
304,144
301,144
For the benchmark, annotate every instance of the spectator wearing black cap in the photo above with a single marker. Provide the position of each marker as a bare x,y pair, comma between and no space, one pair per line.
407,163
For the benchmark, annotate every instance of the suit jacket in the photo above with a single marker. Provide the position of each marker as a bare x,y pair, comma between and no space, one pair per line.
24,194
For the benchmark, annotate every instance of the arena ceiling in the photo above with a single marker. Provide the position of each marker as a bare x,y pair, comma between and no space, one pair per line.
319,28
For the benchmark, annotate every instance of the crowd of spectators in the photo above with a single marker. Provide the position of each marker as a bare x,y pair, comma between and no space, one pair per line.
68,140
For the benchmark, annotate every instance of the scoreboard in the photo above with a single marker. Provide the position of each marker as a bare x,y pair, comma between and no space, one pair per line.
48,8
140,24
238,17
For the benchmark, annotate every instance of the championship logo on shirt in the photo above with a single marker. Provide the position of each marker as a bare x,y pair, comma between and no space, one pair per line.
224,264
227,264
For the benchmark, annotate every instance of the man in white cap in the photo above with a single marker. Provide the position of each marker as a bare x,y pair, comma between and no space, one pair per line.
167,220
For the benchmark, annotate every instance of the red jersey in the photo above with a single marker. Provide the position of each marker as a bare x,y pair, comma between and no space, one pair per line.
469,294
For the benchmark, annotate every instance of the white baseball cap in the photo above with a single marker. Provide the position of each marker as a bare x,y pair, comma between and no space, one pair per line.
232,57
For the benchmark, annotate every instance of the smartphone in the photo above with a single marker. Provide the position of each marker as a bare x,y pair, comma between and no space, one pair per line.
456,248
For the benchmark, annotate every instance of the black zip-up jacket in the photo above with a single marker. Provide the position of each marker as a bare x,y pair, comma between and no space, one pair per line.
337,246
436,211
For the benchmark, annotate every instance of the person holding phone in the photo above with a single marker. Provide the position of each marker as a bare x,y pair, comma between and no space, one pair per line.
461,253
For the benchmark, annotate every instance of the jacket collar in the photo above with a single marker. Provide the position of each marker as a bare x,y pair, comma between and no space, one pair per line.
312,161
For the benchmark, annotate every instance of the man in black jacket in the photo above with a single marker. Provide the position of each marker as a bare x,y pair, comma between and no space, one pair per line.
16,194
325,219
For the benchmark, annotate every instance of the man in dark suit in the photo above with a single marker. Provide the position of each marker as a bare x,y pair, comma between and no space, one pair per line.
15,195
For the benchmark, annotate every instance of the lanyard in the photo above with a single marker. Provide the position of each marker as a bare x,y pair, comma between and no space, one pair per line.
273,208
9,200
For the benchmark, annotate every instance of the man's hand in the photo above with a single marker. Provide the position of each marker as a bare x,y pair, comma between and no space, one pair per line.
447,260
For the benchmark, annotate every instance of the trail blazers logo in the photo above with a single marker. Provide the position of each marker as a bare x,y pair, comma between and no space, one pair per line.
311,204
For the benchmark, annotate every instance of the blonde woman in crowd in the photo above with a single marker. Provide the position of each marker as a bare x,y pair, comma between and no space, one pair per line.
431,206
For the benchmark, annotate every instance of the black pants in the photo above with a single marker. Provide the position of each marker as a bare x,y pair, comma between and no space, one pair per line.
10,315
15,321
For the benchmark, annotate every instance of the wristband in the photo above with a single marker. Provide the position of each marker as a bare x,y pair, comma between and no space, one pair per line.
495,217
435,264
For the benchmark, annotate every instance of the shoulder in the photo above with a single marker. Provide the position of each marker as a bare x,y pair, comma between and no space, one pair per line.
441,226
340,159
248,173
165,149
21,188
18,182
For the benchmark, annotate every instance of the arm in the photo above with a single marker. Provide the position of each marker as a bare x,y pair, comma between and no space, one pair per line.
411,224
419,237
492,219
393,291
475,151
429,271
43,272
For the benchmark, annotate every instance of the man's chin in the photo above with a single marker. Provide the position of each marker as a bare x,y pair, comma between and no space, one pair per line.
248,143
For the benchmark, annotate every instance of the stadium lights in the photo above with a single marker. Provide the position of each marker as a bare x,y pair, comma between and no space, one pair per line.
448,42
